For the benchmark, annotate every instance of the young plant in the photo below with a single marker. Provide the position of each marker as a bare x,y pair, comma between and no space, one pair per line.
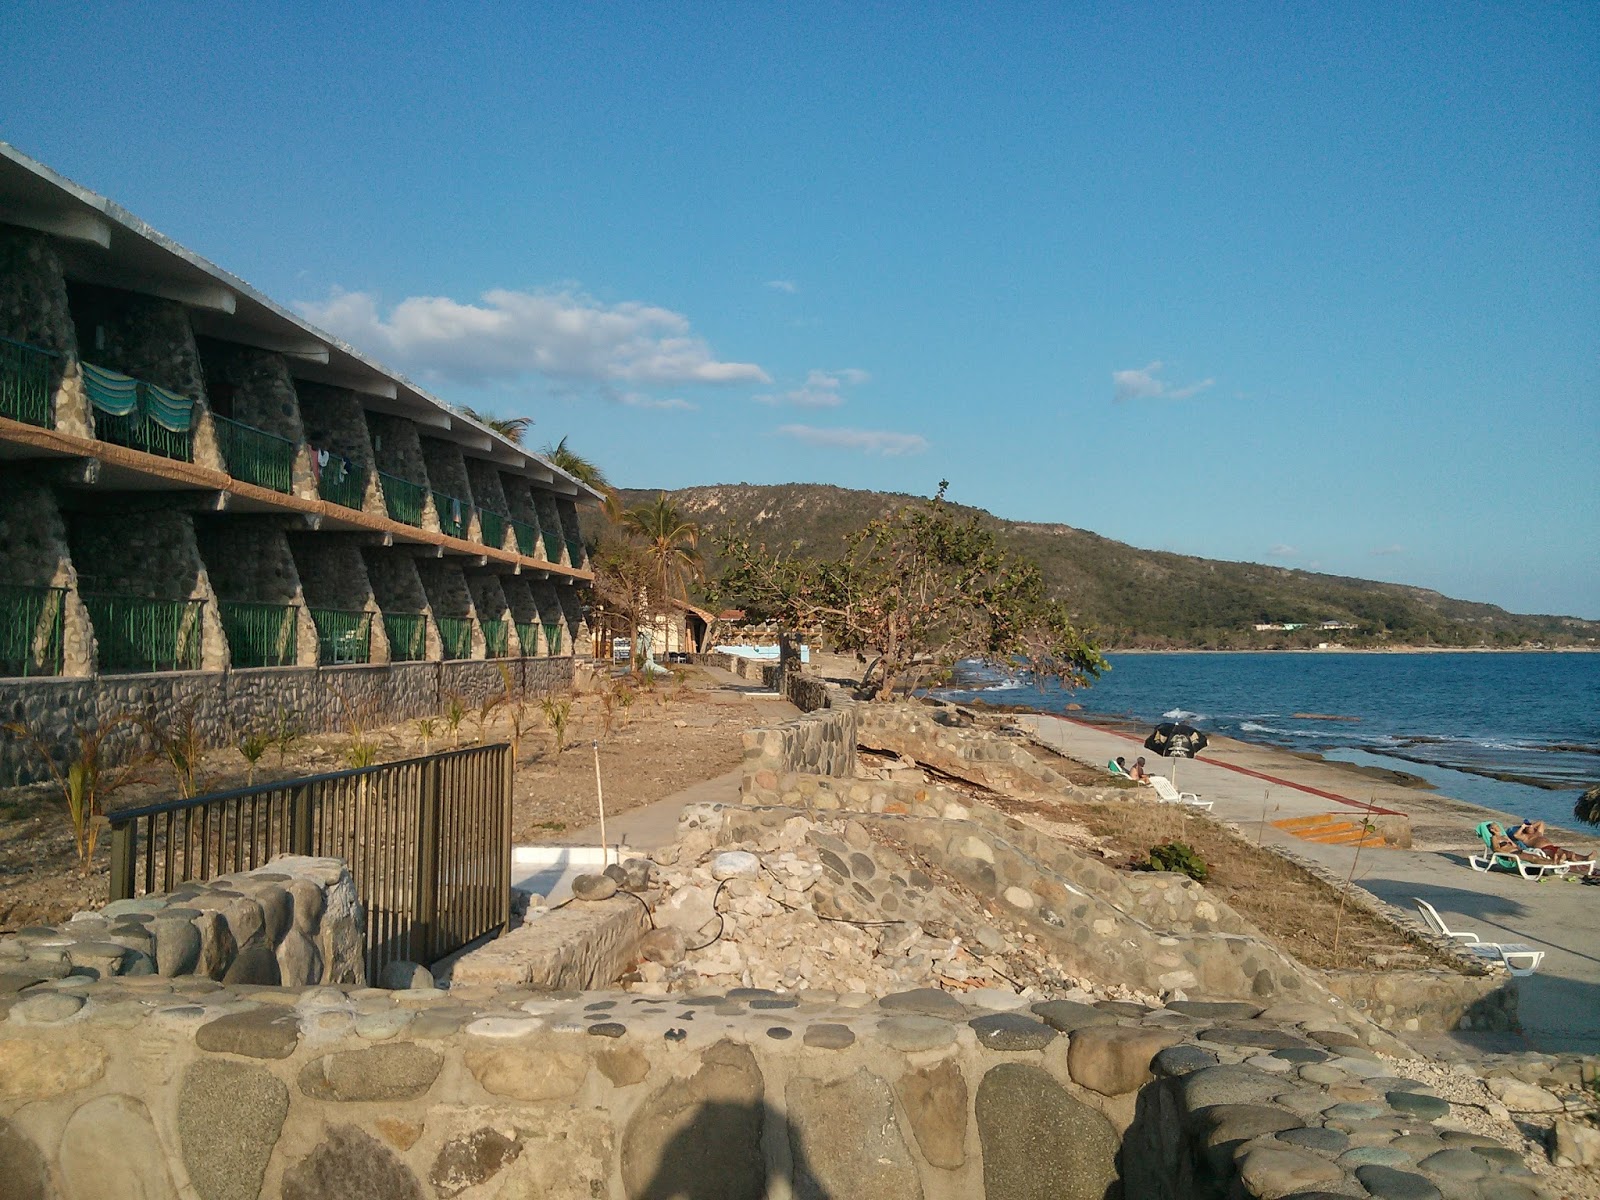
1179,857
253,745
483,715
177,741
84,783
557,712
285,732
361,753
1367,827
625,698
515,700
454,713
425,728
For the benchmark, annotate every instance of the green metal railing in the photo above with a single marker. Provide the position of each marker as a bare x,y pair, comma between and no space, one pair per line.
129,412
552,637
453,514
493,527
575,552
456,634
31,622
552,546
527,538
343,636
403,498
342,482
260,635
496,638
528,635
256,456
135,633
25,376
408,636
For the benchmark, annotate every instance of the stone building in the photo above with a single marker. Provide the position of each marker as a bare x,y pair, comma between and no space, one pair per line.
195,483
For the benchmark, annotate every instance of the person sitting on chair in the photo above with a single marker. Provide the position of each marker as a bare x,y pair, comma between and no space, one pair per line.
1138,772
1118,766
1532,834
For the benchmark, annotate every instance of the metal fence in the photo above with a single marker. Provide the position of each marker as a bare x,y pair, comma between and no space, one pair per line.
340,481
428,841
31,620
260,635
453,514
493,528
527,538
496,638
26,373
408,636
403,499
256,456
135,633
456,634
575,552
343,635
552,637
552,546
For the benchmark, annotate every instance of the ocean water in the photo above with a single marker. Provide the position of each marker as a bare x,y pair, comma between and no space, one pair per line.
1457,720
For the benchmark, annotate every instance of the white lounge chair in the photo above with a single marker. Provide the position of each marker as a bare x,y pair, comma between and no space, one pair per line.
1530,864
1503,952
1168,794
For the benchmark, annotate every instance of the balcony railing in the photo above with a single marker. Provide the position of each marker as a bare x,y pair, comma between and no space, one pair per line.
496,638
408,636
256,456
141,416
575,552
527,538
136,633
403,499
31,620
552,637
453,514
528,636
456,634
493,527
552,546
339,481
260,635
343,636
26,373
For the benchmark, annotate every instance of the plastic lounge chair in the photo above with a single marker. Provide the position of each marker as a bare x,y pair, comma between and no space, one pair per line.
1502,952
1528,868
1168,794
1116,771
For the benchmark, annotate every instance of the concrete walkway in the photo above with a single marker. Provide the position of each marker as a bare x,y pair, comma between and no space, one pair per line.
1560,1005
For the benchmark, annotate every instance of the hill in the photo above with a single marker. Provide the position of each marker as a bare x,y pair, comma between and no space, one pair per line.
1151,598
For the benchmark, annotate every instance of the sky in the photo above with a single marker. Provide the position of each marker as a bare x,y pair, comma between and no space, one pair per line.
1309,285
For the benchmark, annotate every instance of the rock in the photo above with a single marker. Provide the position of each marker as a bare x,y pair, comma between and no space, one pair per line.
911,1033
299,960
527,1072
1261,1039
1039,1143
22,1167
277,908
927,1001
735,864
177,946
825,1035
471,1158
217,946
1316,1138
996,999
688,909
1575,1145
258,1033
1228,1084
1209,1010
935,1103
350,1165
36,1068
703,1131
665,946
1069,1016
1455,1164
401,976
594,887
1113,1060
1418,1104
637,874
98,960
110,1150
608,1029
1011,1031
341,936
1523,1097
46,1008
873,1161
1181,1060
394,1071
623,1066
1386,1183
229,1118
1269,1173
255,964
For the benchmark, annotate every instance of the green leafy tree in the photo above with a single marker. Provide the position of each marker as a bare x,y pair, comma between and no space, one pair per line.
915,590
672,544
513,429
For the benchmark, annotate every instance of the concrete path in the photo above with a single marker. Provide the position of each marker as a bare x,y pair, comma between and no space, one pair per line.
1560,1005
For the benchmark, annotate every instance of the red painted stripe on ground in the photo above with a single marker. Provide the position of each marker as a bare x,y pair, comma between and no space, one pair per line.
1288,783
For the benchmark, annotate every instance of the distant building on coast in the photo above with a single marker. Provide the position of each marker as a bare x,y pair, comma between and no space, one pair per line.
203,496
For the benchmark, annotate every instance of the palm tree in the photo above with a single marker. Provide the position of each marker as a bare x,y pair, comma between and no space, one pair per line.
587,473
510,428
672,543
1588,806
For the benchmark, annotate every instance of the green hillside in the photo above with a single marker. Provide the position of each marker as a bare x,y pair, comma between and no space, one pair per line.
1150,598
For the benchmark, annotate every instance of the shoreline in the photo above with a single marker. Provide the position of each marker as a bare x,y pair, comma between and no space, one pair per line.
1332,649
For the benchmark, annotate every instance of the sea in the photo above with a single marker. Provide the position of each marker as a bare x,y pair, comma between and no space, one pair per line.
1518,732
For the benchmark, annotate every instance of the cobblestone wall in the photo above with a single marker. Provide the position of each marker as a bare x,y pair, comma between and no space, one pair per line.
335,422
819,743
33,293
33,545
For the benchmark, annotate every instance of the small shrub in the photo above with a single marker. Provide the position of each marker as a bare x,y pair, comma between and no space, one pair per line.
253,745
1178,857
286,732
178,742
557,712
454,713
425,727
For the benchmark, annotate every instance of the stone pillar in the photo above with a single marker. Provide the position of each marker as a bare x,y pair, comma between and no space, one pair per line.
397,450
261,394
34,308
334,421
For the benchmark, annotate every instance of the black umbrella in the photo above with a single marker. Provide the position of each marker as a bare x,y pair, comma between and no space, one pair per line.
1175,740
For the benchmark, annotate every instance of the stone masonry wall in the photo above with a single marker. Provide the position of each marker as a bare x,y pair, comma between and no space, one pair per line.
397,450
484,482
335,422
34,309
248,560
544,505
263,396
33,545
819,743
571,530
142,336
398,589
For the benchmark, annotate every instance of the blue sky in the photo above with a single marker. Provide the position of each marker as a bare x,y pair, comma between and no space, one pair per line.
1310,285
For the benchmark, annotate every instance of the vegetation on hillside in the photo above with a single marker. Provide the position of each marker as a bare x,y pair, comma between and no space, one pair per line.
1134,598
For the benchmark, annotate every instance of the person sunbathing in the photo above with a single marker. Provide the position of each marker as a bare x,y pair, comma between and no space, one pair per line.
1502,843
1532,835
1138,772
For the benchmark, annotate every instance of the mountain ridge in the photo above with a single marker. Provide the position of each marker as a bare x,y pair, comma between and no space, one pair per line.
1137,598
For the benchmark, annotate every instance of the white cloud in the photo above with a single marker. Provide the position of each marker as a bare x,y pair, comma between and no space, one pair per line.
822,389
787,286
1386,551
564,335
1142,384
868,441
1282,551
670,404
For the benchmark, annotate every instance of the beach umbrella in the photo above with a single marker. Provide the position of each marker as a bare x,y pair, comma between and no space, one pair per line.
1588,806
1175,740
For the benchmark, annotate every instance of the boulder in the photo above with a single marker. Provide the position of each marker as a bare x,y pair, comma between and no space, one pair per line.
873,1161
1114,1060
700,1132
1039,1142
594,887
935,1103
229,1118
1575,1144
402,976
735,864
350,1165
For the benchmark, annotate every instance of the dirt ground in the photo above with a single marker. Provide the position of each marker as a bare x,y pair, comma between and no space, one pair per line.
664,739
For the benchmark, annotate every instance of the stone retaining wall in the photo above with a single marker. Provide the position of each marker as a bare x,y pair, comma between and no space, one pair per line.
176,1087
1429,1001
317,699
820,743
947,739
